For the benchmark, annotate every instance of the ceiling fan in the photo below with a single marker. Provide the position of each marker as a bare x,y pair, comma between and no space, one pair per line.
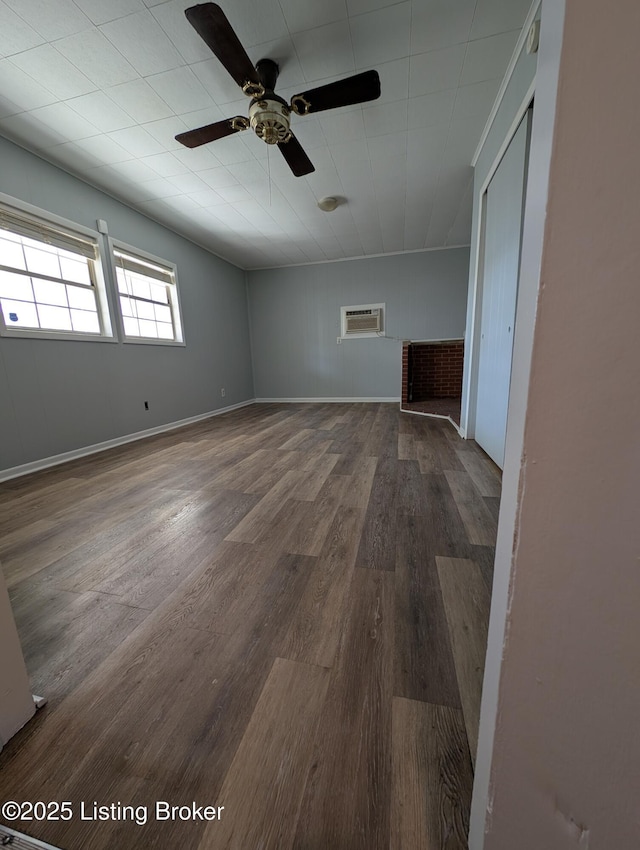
269,114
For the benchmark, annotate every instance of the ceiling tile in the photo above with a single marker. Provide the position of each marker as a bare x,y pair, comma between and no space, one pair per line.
137,141
360,7
476,99
100,12
496,16
165,131
197,159
487,58
62,119
381,36
338,126
140,101
218,178
134,170
394,80
233,194
433,109
207,198
103,149
24,128
228,150
188,182
52,70
185,39
255,23
101,111
217,81
25,91
325,51
440,23
305,16
386,147
387,118
181,89
143,42
165,164
436,70
72,157
160,188
17,35
97,58
51,20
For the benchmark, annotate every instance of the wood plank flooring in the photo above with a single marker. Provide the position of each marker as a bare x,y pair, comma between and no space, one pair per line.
280,610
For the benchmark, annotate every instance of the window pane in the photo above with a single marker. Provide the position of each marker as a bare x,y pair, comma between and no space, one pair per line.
125,306
123,283
131,327
81,299
140,286
19,314
85,322
165,331
11,254
145,310
148,328
48,292
159,293
54,318
42,262
77,270
163,314
15,286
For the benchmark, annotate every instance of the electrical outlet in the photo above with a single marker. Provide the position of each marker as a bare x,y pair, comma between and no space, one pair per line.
223,392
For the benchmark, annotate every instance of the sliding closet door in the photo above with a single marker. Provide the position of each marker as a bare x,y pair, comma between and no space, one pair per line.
503,206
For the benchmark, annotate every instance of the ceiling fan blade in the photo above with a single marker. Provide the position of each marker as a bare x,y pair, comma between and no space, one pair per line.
211,24
356,89
212,132
296,158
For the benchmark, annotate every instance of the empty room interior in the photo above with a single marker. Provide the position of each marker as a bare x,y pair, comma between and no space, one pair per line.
319,425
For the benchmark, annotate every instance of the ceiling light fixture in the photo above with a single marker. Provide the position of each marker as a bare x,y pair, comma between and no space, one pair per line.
328,204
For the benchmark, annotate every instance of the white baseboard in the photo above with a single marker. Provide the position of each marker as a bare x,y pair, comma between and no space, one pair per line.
343,400
55,460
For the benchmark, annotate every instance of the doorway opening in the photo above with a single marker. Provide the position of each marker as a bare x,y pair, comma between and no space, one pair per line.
432,378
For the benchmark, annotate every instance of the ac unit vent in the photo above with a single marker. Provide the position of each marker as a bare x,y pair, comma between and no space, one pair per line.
362,321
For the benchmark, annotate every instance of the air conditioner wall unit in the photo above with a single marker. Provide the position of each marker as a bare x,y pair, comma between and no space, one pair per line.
363,321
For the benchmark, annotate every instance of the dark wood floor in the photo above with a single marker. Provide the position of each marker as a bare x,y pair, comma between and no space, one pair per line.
281,611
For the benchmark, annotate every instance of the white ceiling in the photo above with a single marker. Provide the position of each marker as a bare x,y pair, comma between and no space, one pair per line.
102,88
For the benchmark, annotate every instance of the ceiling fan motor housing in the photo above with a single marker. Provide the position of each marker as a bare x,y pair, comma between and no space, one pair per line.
269,119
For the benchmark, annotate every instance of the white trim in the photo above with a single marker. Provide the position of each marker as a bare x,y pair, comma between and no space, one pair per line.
522,38
344,400
55,460
533,239
431,415
361,257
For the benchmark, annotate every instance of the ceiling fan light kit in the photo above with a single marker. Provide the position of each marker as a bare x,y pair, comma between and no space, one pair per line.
269,114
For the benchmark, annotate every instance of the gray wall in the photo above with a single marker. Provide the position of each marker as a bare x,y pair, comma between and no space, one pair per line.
58,396
295,321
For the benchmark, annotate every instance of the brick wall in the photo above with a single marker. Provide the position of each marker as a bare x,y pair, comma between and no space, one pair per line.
433,370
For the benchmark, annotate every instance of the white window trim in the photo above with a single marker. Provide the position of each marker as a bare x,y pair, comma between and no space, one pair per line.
365,334
105,318
117,244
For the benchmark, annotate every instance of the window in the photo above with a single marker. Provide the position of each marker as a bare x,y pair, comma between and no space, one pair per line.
148,295
50,282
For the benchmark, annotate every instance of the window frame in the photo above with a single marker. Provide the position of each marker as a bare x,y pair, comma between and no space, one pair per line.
174,304
49,220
